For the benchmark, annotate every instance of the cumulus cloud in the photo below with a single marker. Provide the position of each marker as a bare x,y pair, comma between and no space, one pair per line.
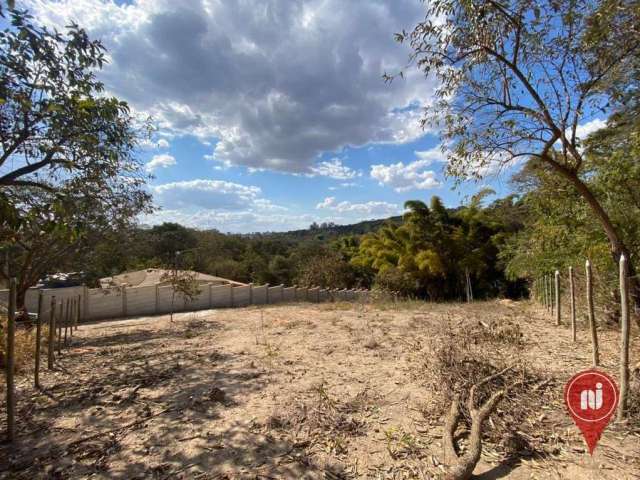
343,185
227,206
210,194
432,155
149,144
233,207
246,221
411,176
272,84
334,168
160,161
371,209
586,129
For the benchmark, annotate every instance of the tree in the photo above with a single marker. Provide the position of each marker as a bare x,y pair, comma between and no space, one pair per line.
169,238
57,128
326,269
560,231
68,170
518,77
183,282
54,230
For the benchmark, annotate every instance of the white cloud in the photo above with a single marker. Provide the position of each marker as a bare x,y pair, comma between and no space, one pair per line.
432,155
208,194
238,222
163,160
586,129
334,168
365,210
274,83
149,144
343,185
226,206
411,176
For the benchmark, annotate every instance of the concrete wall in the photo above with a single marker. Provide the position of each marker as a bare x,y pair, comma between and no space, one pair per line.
119,302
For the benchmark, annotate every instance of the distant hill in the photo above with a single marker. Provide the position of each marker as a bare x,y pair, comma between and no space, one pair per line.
329,231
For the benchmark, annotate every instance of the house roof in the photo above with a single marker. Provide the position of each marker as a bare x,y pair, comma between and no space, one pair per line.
153,276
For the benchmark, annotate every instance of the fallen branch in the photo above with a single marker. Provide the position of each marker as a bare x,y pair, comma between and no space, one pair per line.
461,466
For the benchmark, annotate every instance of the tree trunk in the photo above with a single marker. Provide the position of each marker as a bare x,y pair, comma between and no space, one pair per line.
616,244
21,296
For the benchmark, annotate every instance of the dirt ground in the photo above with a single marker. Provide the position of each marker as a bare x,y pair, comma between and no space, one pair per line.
332,391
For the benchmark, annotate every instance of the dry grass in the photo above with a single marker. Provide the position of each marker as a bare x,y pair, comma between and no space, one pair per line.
326,391
460,357
25,340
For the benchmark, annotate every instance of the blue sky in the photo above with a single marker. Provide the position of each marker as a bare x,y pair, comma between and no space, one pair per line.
271,114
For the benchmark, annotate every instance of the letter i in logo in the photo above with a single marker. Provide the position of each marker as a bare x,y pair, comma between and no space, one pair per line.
590,399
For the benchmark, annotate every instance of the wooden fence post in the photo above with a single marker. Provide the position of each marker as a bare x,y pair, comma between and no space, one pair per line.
157,307
557,282
79,301
124,300
573,304
624,338
52,333
10,364
85,293
60,326
592,316
66,320
546,293
72,315
36,371
538,292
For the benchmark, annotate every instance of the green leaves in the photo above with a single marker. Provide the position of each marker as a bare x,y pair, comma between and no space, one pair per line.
431,252
69,174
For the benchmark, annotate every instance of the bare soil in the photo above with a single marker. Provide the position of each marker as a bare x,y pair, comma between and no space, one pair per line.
305,391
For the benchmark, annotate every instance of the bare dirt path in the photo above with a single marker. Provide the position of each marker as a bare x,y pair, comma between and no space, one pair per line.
293,391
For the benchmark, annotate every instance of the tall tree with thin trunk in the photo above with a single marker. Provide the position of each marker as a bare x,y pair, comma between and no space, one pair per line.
518,78
68,168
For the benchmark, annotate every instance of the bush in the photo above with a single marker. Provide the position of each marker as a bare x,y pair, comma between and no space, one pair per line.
24,346
393,279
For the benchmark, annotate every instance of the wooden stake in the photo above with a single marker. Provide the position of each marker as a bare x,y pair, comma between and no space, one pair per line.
573,304
71,316
52,333
77,319
10,364
557,282
592,317
157,299
36,371
624,338
67,317
60,322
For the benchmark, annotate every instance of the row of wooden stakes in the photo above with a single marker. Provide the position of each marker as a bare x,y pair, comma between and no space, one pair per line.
62,322
547,291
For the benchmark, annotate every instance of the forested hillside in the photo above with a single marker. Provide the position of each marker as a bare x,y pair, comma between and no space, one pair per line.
431,252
